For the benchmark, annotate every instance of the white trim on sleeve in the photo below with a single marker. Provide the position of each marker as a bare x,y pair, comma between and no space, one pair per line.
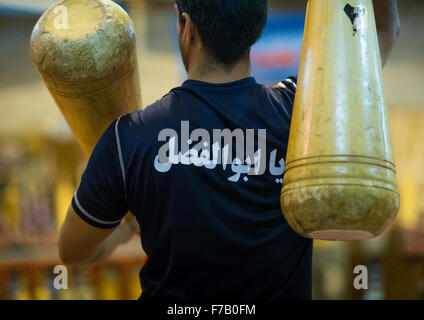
121,159
291,81
92,217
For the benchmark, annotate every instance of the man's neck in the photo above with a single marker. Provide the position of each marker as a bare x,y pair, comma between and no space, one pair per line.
212,73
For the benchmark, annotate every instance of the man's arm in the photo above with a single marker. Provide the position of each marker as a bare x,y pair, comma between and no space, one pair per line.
97,220
82,244
388,26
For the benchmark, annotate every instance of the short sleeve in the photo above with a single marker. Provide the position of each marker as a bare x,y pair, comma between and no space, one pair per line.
287,90
100,199
288,86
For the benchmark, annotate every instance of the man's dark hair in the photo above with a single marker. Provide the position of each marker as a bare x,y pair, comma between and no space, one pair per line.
228,28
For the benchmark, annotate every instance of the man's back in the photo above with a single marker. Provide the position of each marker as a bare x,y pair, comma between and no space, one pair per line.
206,222
201,169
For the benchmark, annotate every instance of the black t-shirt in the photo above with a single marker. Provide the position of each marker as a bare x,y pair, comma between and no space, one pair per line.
202,171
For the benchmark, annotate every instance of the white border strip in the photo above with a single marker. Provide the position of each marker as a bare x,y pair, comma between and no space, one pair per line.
121,159
291,81
90,216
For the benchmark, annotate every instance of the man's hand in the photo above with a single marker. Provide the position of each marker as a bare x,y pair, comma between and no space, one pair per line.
388,26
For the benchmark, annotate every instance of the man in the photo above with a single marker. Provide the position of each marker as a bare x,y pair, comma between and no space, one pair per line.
201,170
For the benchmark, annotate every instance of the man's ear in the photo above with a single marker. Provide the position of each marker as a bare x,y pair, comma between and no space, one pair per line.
181,19
189,26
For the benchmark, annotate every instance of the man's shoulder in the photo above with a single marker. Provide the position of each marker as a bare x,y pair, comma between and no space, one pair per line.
287,85
283,94
155,115
142,126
